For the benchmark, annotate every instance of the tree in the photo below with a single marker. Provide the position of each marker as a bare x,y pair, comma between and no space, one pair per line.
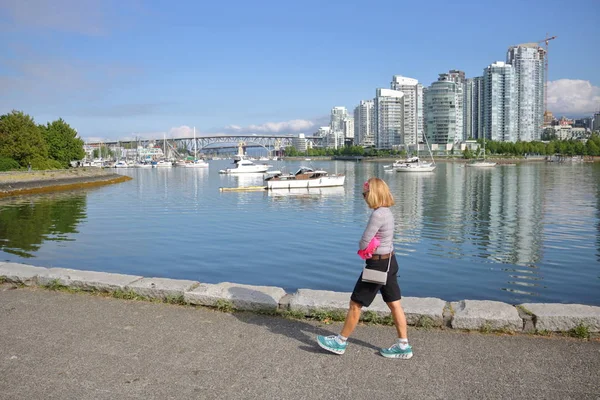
63,144
21,140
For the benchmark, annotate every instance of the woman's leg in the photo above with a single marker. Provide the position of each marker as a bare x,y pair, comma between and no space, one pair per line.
399,318
352,318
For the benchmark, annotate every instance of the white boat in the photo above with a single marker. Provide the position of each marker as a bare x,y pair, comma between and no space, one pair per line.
121,164
196,164
142,165
244,166
482,162
163,164
398,163
415,167
414,164
305,177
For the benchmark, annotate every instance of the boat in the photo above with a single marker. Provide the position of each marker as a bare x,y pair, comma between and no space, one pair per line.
163,164
414,164
399,163
482,162
243,166
305,177
121,164
196,163
142,165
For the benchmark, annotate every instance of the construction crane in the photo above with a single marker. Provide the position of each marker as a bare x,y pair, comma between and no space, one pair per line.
545,41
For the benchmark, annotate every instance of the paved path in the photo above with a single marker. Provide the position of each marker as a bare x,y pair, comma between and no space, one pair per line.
78,346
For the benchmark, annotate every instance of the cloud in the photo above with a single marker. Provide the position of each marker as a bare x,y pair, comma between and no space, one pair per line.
292,126
573,97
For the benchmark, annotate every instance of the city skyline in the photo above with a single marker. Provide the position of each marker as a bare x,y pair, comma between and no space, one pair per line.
119,69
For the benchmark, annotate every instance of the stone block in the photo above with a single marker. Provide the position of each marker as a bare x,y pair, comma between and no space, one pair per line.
420,309
21,273
562,317
87,280
242,297
477,314
161,288
308,301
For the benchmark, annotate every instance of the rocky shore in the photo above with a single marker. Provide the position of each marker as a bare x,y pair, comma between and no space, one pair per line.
16,183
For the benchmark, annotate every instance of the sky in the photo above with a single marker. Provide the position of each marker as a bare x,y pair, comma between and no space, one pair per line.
117,69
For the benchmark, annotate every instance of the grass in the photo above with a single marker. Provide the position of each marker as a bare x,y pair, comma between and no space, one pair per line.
425,322
175,299
486,328
2,280
127,295
581,331
328,316
224,306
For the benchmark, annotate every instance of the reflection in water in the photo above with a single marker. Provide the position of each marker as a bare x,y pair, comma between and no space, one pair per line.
525,233
26,223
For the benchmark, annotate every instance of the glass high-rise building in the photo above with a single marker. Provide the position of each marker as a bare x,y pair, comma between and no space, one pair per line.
389,118
413,107
441,113
473,108
364,123
528,63
500,101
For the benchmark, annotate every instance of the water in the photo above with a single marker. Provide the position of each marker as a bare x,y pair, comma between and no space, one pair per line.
526,233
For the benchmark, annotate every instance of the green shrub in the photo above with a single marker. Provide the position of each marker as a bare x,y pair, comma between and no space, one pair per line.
44,164
8,164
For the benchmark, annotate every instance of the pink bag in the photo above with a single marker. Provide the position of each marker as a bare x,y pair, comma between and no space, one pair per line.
368,252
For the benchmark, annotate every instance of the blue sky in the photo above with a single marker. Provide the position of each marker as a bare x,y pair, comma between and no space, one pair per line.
115,69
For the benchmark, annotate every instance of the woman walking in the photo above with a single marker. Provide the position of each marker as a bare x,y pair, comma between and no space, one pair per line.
380,226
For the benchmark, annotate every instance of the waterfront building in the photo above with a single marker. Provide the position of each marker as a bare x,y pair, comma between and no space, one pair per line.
349,128
364,123
441,113
413,107
324,132
528,63
499,117
458,77
389,118
473,108
299,143
337,124
596,122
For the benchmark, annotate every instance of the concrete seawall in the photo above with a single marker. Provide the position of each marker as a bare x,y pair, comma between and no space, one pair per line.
428,312
17,183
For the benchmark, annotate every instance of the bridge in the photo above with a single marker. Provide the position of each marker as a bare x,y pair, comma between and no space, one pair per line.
268,142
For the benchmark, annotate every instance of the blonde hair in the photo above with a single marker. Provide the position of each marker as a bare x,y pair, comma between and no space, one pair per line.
378,194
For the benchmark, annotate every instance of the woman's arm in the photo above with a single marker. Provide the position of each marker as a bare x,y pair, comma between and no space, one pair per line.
375,222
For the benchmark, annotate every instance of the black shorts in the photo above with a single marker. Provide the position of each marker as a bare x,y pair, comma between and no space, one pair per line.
364,292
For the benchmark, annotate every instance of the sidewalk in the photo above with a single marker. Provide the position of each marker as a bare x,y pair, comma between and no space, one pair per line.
56,345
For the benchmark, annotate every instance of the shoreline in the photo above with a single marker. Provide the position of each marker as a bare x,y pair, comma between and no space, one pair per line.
471,315
17,183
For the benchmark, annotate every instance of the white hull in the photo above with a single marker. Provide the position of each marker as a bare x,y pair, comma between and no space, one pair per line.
196,165
482,164
415,168
291,183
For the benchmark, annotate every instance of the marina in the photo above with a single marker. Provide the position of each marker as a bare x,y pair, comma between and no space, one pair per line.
521,233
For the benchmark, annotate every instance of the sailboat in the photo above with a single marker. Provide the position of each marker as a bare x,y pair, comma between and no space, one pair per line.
196,163
415,164
482,162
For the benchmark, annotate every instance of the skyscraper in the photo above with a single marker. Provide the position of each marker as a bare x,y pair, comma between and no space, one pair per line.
473,108
337,125
413,107
364,123
441,113
389,117
499,118
458,77
528,63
